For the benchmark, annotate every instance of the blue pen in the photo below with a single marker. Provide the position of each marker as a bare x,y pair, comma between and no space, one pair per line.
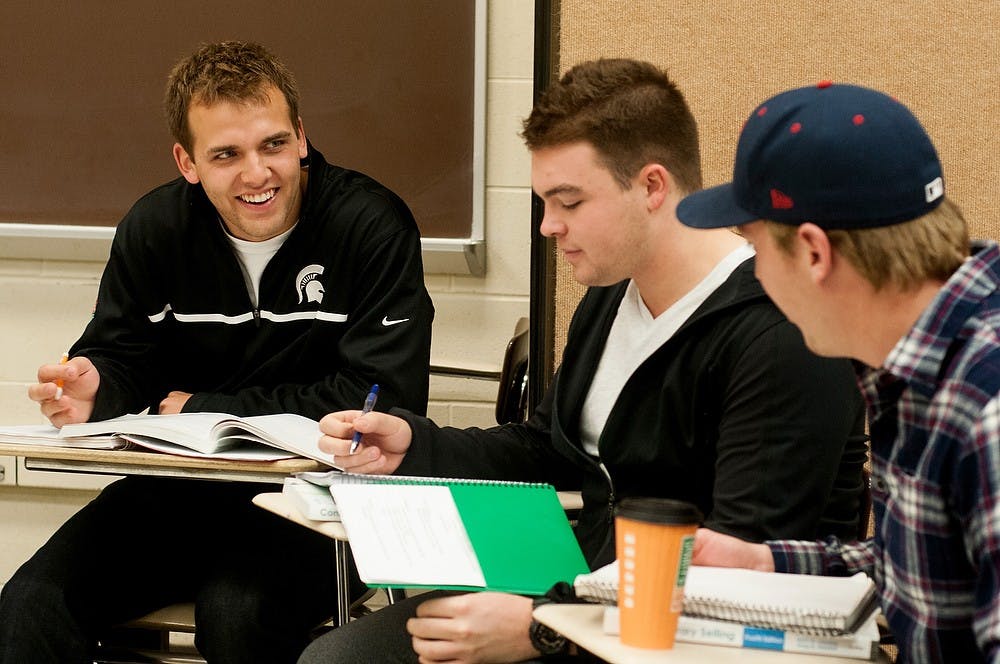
367,408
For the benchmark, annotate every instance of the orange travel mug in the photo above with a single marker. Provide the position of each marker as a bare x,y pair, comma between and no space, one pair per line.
654,538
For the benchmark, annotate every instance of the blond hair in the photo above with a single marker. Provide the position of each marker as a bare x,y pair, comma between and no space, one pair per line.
928,248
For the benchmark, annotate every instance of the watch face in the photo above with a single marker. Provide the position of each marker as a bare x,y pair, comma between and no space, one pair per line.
545,639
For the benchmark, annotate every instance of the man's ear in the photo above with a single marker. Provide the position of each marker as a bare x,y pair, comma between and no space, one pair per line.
657,183
303,148
185,164
817,251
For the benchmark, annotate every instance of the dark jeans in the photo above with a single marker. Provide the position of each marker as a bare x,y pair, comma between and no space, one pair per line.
260,583
381,638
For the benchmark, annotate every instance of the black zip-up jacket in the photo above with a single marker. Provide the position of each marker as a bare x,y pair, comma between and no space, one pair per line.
732,413
342,305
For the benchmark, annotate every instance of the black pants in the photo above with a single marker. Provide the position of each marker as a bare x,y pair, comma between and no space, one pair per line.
260,583
381,638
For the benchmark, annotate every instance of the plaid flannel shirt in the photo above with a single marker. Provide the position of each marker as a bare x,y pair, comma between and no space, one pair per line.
935,428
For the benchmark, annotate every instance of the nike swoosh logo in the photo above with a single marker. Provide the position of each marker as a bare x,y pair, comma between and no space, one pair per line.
386,322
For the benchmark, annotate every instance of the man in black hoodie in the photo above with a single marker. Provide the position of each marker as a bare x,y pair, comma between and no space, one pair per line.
679,378
261,281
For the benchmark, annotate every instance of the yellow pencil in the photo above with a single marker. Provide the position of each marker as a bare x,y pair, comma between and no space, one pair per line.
59,381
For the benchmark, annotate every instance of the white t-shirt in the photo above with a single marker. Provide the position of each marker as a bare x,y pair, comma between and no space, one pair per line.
635,335
253,258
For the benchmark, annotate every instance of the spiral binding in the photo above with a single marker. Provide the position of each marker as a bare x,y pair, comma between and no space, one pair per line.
338,477
599,591
600,585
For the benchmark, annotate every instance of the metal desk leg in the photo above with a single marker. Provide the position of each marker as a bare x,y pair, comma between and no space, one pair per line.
340,554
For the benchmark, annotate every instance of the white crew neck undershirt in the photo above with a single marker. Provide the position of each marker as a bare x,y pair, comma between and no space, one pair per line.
254,257
635,335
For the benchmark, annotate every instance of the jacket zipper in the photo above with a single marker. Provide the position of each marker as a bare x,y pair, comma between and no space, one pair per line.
611,492
611,485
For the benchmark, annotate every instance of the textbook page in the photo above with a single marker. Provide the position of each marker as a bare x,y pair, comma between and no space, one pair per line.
46,434
192,430
249,451
288,431
423,542
216,435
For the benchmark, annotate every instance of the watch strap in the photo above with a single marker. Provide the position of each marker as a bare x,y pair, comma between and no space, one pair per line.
545,640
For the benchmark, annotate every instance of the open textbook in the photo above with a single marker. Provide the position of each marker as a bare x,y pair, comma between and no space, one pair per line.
455,533
46,434
215,435
818,605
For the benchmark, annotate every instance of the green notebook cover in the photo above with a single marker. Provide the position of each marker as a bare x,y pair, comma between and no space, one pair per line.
520,535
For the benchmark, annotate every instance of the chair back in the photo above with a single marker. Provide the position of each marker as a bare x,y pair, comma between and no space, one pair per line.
512,393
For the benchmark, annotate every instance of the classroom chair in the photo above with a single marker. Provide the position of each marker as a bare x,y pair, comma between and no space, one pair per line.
512,379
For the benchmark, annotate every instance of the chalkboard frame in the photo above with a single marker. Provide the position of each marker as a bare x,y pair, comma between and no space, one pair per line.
465,254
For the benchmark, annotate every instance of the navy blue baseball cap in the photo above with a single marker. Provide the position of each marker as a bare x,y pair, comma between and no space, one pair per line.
839,156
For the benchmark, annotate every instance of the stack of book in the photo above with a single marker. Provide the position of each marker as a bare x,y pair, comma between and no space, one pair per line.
745,608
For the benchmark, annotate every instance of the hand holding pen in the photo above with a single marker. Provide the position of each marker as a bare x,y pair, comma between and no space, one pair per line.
367,408
59,381
387,440
66,391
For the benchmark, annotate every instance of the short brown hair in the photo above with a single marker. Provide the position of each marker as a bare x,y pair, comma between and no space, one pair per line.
930,247
232,71
629,111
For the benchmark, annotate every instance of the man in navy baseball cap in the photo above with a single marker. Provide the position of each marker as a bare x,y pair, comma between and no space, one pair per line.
840,191
840,156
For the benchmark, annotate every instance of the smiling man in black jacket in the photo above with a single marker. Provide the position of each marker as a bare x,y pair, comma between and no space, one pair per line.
264,280
679,378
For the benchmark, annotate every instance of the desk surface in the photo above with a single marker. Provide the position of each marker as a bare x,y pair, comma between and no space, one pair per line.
131,462
583,624
279,504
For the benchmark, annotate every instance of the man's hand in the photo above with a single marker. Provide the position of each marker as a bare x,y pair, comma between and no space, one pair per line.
713,549
385,440
174,403
80,382
478,627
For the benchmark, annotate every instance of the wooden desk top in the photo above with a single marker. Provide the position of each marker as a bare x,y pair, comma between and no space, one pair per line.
132,462
583,624
279,504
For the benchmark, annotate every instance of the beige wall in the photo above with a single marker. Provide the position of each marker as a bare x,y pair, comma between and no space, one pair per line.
939,58
44,304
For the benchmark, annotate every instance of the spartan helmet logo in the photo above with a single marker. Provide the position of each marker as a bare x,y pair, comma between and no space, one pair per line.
308,285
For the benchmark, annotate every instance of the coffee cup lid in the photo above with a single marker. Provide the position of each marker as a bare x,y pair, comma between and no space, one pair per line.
659,510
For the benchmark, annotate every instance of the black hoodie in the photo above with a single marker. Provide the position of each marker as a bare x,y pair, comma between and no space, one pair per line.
732,413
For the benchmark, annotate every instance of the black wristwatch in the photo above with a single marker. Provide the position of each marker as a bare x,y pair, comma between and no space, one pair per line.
545,639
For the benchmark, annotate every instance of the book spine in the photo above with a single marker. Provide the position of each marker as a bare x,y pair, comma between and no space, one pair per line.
721,633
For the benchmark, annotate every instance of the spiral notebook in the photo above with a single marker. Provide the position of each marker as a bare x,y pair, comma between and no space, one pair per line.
457,534
818,605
